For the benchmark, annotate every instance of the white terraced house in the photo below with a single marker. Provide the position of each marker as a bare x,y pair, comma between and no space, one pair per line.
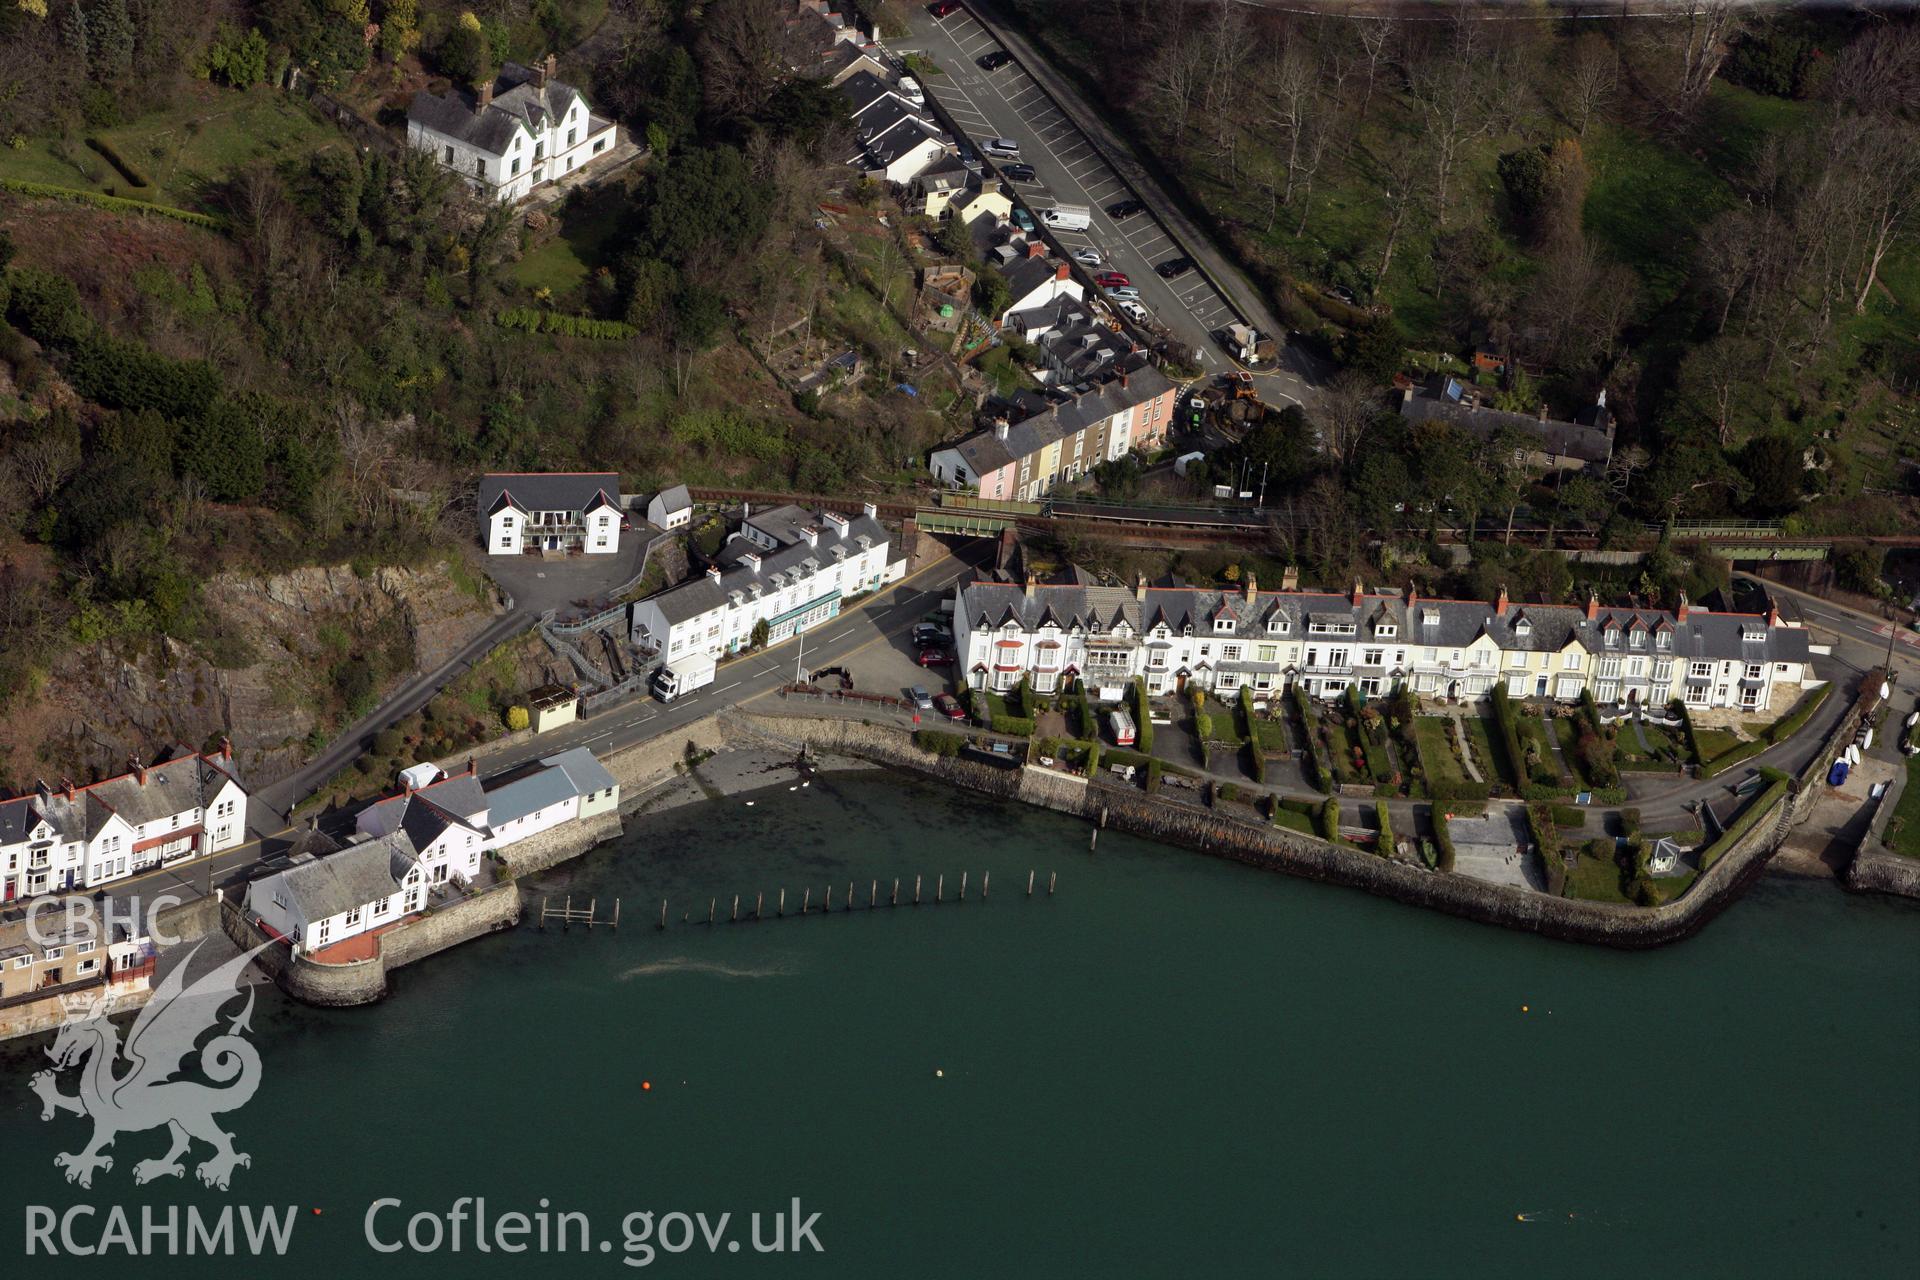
519,131
1176,636
69,837
787,567
536,513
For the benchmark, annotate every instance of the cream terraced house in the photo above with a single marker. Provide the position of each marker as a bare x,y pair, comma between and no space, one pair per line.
787,567
1176,636
519,131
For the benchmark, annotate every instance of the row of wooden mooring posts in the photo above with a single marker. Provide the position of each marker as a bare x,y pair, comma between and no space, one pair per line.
570,915
851,902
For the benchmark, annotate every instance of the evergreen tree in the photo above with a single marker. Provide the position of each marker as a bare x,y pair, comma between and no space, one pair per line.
73,32
111,31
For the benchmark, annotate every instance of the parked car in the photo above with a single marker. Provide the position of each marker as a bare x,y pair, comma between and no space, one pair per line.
1088,257
921,698
1132,310
1123,293
1001,148
1112,279
928,633
949,706
1023,220
994,61
935,658
1343,293
969,158
944,8
1174,268
1014,171
1120,210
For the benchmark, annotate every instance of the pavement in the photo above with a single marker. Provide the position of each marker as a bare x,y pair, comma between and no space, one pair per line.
1078,160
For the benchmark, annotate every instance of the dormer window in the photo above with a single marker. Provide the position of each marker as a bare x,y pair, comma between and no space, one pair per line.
1523,629
1753,634
1663,640
1613,637
1223,626
1429,617
1278,624
1385,630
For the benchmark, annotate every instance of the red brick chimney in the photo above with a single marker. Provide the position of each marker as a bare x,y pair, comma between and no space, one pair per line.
1123,381
1253,588
1773,613
1061,272
1359,592
1593,606
66,785
1413,596
1500,602
1036,249
1680,614
484,95
1140,587
226,749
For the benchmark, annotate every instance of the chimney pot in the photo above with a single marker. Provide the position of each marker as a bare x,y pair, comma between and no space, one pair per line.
1035,249
1773,613
1413,595
1061,272
1290,578
1593,606
1680,614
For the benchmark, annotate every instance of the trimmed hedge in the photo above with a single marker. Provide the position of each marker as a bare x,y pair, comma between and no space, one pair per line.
1569,815
534,320
1385,846
1443,838
1446,793
128,170
938,741
1508,737
1318,774
1330,820
115,204
1679,708
1012,726
1796,719
1142,720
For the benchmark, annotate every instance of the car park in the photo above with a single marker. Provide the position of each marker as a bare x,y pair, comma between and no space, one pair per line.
1111,279
994,61
1123,293
921,698
1002,148
1014,171
1120,210
1173,268
944,8
949,706
1088,257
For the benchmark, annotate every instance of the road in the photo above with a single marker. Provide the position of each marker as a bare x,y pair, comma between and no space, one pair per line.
1028,102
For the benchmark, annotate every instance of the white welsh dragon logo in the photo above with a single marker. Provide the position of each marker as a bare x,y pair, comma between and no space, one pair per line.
163,1037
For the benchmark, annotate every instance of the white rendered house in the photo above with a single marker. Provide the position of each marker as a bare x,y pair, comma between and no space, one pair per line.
551,511
520,131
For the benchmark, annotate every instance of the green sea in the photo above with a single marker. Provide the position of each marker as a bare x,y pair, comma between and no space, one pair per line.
1172,1067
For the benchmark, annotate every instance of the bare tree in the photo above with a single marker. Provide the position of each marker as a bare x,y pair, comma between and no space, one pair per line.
1377,40
1175,78
1290,104
1883,157
1879,73
1346,412
1727,253
743,54
1400,188
1590,82
1446,86
1325,131
1706,30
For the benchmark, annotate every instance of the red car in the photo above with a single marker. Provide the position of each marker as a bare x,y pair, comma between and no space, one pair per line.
1112,280
949,706
935,658
941,8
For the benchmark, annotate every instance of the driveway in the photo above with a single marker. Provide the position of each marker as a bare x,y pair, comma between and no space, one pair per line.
1487,848
578,585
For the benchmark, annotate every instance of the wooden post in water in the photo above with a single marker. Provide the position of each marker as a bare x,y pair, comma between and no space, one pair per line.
1051,877
736,909
894,900
986,878
829,906
568,918
758,898
806,900
873,895
963,886
711,903
616,915
940,887
849,895
781,910
663,913
1029,882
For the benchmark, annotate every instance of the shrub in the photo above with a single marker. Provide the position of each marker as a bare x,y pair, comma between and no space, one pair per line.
1508,736
1011,725
1796,719
1444,839
1330,820
534,320
1679,708
517,718
1153,774
938,742
1385,846
1569,815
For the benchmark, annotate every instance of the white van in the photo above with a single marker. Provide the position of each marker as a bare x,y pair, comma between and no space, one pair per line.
911,91
1001,148
1067,217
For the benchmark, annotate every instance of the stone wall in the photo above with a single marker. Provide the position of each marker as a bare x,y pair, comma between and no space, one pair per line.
189,921
365,981
1875,868
559,844
1278,849
49,1013
640,768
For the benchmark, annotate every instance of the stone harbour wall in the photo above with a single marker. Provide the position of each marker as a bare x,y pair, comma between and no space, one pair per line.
1278,849
560,844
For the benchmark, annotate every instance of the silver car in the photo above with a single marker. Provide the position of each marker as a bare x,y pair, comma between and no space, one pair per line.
921,698
1088,257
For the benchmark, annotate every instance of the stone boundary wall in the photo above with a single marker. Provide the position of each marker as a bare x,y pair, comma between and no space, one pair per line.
33,1017
190,921
1876,868
641,768
365,981
551,848
1283,850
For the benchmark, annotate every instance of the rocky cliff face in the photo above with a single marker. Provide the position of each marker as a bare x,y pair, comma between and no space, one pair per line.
290,632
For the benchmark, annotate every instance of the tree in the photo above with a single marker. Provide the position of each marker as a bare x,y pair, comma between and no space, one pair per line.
1706,29
760,632
1590,81
399,28
1772,466
239,59
110,31
517,719
464,54
225,449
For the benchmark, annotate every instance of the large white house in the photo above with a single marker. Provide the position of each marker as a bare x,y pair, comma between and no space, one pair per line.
1177,636
536,512
787,567
67,837
517,132
409,845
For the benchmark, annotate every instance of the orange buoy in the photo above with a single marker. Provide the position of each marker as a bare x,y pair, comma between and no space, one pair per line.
1523,1008
645,1085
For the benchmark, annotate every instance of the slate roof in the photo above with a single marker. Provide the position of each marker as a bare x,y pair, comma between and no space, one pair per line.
540,789
517,101
172,787
672,500
328,886
1444,624
458,794
423,821
527,491
1589,441
1026,275
786,524
691,599
587,773
862,89
985,452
